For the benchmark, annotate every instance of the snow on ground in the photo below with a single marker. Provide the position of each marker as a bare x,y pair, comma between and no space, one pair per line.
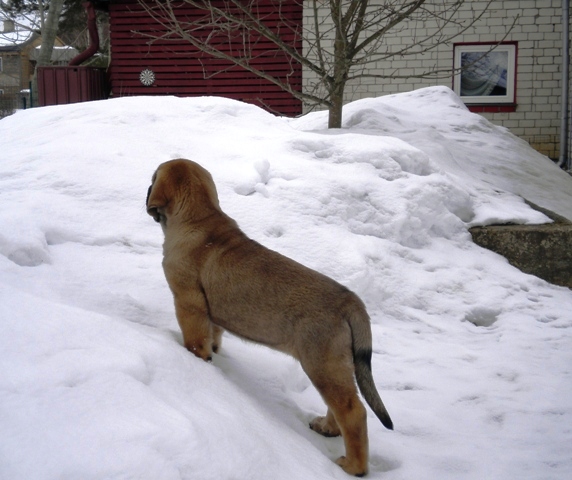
471,356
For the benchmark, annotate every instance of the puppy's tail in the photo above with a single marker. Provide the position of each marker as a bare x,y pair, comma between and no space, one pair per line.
361,342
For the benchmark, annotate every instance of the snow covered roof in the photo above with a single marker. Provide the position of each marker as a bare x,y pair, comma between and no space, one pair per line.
15,33
59,53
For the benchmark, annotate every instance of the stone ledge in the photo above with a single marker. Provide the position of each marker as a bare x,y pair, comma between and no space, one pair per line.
542,250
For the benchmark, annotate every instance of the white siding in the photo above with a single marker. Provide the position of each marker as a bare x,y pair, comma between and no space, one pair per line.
538,33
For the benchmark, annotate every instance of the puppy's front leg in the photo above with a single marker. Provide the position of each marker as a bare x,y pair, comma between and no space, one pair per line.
193,318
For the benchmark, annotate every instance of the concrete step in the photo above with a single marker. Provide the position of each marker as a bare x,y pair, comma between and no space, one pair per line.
541,250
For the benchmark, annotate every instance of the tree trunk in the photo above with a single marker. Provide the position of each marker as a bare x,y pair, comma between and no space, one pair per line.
49,32
337,83
336,106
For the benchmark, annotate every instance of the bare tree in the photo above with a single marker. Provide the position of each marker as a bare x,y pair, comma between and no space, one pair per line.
25,16
40,16
50,31
343,39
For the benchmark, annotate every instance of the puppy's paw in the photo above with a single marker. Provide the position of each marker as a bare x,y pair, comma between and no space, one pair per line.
352,468
201,351
323,427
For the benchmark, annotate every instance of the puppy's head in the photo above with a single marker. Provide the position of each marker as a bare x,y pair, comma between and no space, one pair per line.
181,188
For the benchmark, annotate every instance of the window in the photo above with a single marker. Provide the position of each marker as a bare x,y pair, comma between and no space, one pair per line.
485,73
1,63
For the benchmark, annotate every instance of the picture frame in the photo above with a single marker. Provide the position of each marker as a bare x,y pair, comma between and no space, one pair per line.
485,73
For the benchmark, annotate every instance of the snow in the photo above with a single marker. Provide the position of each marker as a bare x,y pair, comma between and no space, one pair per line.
471,356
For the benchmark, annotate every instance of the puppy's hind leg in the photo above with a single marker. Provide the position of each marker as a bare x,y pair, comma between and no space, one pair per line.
352,417
334,380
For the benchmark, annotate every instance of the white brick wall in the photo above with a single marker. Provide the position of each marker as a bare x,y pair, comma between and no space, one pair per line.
538,33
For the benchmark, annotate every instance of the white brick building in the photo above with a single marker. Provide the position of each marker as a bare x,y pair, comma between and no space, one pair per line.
536,40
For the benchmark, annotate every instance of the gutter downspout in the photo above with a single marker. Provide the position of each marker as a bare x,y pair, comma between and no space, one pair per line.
93,37
564,161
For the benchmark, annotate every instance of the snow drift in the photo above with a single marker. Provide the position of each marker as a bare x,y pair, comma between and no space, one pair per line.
471,356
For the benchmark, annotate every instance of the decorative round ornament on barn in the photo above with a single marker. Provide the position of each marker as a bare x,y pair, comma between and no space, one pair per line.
147,77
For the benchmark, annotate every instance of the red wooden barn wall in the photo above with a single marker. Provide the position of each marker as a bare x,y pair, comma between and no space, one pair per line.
180,69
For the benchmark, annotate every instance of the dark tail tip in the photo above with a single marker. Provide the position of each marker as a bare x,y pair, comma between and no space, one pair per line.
362,360
386,422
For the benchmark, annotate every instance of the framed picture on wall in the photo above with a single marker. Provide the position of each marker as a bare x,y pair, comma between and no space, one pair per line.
485,73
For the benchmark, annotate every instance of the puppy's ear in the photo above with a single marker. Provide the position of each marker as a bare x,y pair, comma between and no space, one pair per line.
205,180
157,196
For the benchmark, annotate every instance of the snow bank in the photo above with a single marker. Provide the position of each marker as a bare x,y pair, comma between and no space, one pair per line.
471,356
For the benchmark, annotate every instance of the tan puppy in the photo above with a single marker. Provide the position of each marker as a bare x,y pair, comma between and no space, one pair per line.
221,279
